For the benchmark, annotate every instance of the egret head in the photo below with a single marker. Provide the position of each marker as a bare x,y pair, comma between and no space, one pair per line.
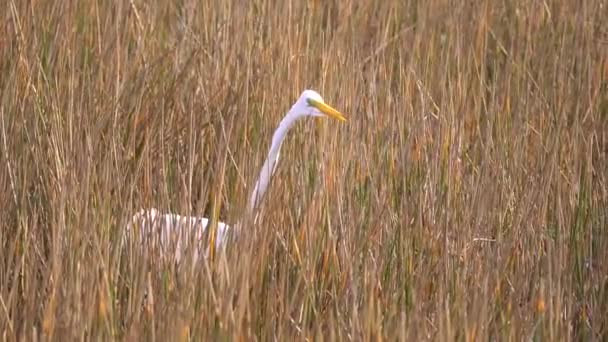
311,103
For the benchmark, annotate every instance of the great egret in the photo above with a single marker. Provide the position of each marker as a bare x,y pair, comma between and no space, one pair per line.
166,230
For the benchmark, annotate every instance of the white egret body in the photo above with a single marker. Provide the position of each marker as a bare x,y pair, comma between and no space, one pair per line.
173,233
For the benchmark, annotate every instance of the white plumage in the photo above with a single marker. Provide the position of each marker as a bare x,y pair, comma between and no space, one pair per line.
174,234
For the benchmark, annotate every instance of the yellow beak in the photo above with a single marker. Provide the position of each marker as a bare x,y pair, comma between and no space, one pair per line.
327,109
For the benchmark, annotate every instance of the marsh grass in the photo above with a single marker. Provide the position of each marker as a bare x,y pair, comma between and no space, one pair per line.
464,199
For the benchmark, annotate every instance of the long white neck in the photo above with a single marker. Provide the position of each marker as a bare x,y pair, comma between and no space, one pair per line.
271,161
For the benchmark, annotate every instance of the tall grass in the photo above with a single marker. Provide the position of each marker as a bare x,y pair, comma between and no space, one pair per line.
466,198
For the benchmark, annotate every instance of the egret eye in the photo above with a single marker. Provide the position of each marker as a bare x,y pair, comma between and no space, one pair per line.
310,103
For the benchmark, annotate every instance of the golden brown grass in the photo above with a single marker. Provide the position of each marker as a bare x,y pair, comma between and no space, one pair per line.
465,199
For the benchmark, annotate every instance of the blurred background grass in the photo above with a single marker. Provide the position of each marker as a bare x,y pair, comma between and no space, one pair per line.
466,197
